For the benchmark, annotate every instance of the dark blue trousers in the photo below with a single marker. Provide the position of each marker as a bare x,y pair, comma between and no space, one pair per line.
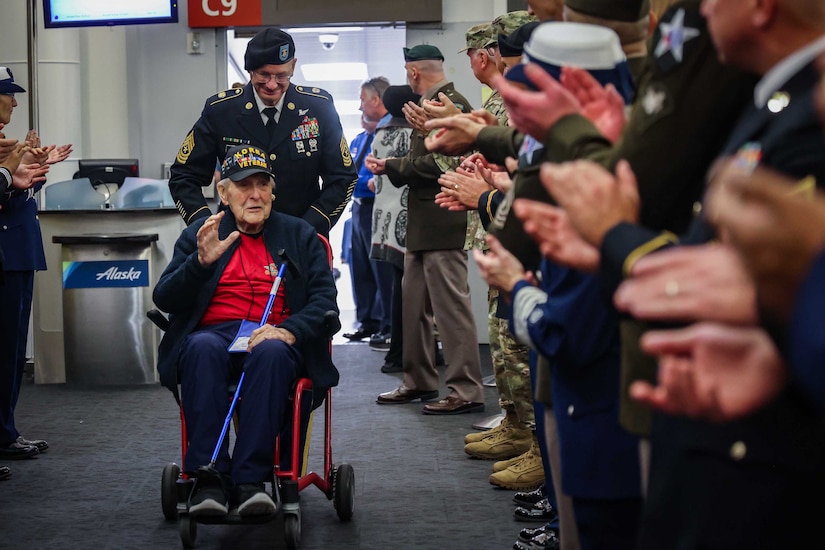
206,370
538,411
607,524
372,279
15,309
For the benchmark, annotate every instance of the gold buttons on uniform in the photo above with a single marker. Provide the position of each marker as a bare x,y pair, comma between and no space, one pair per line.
248,105
316,90
290,106
222,95
697,208
272,156
738,450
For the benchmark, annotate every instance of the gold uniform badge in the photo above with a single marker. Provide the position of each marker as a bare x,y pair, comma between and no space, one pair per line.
186,148
345,156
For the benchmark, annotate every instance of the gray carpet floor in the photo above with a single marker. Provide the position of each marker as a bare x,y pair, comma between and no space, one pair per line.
98,486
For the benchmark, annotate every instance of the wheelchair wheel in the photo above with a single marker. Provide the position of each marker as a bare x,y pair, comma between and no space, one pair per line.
343,486
169,491
292,530
188,531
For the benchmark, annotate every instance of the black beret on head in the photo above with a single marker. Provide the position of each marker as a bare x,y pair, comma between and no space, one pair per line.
268,47
513,45
396,97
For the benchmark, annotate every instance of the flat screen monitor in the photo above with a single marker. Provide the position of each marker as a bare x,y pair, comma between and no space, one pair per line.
100,13
107,171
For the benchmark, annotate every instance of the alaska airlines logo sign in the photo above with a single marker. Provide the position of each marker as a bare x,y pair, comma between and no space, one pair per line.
117,273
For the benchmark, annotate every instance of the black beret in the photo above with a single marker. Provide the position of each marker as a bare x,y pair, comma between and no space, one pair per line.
268,47
513,45
614,10
396,97
422,52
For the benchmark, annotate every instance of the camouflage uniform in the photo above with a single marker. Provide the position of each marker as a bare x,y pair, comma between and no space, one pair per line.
510,359
508,22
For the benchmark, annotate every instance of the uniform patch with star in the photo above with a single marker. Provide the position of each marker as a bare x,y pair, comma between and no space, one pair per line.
674,37
186,148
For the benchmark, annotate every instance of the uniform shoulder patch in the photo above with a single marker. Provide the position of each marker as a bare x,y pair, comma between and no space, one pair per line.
346,157
225,95
186,148
675,37
314,92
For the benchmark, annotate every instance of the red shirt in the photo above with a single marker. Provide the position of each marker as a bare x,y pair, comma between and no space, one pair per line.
244,287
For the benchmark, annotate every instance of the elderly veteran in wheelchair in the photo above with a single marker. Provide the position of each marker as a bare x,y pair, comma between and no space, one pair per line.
215,289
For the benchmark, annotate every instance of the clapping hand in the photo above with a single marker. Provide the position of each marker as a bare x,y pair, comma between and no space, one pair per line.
550,227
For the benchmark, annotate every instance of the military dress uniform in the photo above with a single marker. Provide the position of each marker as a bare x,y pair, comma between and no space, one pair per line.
681,77
435,240
22,251
307,143
754,482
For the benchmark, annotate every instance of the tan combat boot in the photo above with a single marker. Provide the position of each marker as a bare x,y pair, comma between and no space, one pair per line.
527,473
510,419
504,464
506,443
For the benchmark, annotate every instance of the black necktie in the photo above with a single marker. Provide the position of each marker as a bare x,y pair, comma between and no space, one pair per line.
270,123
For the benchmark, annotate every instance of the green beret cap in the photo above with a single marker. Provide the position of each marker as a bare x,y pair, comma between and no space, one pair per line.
478,37
507,23
422,52
614,10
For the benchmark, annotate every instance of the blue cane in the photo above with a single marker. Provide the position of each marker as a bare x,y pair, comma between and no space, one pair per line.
272,294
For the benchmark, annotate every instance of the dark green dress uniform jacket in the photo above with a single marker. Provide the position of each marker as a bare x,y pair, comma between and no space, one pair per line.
307,144
682,116
430,227
756,482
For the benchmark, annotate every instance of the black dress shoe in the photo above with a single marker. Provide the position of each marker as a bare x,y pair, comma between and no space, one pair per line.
16,451
390,367
359,334
526,499
403,394
452,405
541,511
39,443
5,472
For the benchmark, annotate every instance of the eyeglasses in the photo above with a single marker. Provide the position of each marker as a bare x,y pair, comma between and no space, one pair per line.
263,78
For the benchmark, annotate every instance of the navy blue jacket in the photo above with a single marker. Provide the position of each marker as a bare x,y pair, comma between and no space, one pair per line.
807,346
569,323
20,239
308,143
186,287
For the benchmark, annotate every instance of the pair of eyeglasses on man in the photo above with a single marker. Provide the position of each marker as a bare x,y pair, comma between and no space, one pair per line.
264,77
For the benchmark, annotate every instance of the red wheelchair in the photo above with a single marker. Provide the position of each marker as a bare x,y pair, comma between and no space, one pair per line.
336,481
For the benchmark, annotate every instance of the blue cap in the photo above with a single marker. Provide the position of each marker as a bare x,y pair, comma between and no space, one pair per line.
7,83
